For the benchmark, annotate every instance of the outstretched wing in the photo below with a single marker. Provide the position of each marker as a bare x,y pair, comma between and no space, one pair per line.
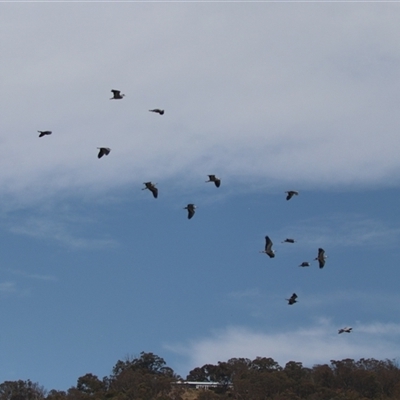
103,151
154,190
190,212
268,247
157,110
321,257
290,194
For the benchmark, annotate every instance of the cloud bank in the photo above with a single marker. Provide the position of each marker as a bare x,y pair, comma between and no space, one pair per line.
252,92
311,345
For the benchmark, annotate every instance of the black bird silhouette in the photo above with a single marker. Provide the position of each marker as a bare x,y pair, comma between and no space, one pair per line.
347,330
152,187
104,151
321,257
116,95
304,264
213,178
43,133
191,210
292,299
290,194
157,110
287,240
268,247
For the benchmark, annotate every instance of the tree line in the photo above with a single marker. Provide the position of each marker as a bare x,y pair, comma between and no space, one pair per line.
147,377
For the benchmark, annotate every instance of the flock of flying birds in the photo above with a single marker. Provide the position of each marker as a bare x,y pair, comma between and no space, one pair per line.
105,151
321,257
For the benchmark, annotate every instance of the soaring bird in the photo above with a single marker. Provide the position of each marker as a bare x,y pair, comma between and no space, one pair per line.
104,151
116,95
287,240
157,110
292,299
152,187
304,264
347,330
290,194
213,178
321,257
43,133
268,247
191,210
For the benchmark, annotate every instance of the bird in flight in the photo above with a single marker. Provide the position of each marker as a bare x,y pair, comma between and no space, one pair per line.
268,247
347,330
104,151
213,178
292,299
304,264
290,194
287,240
158,111
321,257
43,133
191,210
116,95
152,187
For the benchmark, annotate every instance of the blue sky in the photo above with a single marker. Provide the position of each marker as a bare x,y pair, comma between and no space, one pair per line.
269,97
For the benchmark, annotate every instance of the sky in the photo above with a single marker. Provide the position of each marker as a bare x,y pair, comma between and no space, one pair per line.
268,96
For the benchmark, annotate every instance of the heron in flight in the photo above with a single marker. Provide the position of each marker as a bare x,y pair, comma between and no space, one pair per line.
304,264
191,210
268,247
213,178
288,240
152,187
290,194
103,151
347,329
44,133
321,257
158,111
116,95
292,299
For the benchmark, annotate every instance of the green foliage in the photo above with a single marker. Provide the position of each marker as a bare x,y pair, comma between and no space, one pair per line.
147,377
56,395
147,362
21,390
143,378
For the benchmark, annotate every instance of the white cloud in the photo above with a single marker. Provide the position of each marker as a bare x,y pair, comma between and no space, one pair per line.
32,276
253,92
378,328
245,294
310,345
59,231
344,230
7,287
10,288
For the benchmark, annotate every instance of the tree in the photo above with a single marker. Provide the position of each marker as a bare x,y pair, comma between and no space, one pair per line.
88,387
90,384
21,390
56,395
265,364
144,378
148,362
198,374
322,375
